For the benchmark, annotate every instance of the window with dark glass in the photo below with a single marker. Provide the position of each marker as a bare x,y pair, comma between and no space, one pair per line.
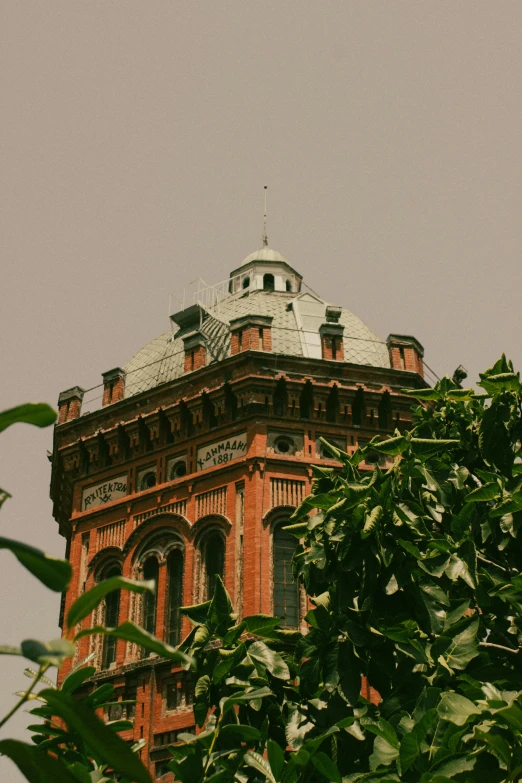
180,691
150,571
112,612
268,282
174,595
214,561
286,589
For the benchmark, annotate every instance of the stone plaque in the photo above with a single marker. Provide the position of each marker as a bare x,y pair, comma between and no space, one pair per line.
222,452
103,493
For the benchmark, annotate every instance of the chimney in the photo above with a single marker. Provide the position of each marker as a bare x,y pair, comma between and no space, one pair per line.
113,386
251,332
332,344
406,353
70,404
195,351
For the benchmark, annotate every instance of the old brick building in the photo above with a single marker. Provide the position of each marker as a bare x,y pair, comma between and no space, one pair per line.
201,449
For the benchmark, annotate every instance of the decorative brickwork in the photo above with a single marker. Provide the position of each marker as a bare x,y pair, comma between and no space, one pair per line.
110,535
286,492
261,389
213,502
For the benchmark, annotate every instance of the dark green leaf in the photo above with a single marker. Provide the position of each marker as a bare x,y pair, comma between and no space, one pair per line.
90,599
34,764
38,413
456,708
106,743
276,758
258,651
51,571
133,633
326,767
240,733
260,764
52,653
76,678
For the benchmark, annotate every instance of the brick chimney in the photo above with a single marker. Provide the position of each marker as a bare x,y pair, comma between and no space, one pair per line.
251,332
113,386
70,404
331,332
406,353
195,351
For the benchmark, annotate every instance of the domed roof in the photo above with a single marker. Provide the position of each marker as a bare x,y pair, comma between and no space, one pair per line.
296,318
265,254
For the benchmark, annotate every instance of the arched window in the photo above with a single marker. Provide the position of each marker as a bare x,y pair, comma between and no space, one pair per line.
174,596
306,401
112,614
280,398
246,282
358,408
212,562
385,412
150,571
288,285
268,282
286,589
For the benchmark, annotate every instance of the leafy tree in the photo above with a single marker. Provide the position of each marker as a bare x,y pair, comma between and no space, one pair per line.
415,583
415,579
73,745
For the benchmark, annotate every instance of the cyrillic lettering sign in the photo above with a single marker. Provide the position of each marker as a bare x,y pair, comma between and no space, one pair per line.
222,452
104,493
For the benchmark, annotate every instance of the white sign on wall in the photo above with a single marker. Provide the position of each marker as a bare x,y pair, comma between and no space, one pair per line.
222,452
104,493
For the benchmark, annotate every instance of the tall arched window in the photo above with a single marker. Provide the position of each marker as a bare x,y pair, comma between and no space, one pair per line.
286,589
150,571
174,596
212,561
268,282
112,613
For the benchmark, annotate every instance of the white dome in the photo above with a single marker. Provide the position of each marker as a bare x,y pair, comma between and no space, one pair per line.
265,254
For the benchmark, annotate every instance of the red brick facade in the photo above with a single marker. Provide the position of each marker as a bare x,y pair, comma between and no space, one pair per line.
109,513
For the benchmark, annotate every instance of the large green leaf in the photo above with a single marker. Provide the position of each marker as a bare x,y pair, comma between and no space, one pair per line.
51,653
53,572
276,758
237,698
258,651
221,609
103,741
34,764
463,648
260,764
456,708
38,413
326,767
240,733
260,624
90,599
133,633
198,613
77,677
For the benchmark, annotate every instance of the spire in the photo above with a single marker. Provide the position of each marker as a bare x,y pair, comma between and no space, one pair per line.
265,238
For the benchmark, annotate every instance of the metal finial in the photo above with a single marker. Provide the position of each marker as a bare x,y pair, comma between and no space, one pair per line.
265,237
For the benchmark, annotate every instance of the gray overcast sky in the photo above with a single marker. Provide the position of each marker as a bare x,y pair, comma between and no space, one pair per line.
135,142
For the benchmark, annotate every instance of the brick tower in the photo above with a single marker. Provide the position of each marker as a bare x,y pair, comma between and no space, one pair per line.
201,450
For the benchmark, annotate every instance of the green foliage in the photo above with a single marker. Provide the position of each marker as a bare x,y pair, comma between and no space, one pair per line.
82,748
38,413
415,575
415,578
90,600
